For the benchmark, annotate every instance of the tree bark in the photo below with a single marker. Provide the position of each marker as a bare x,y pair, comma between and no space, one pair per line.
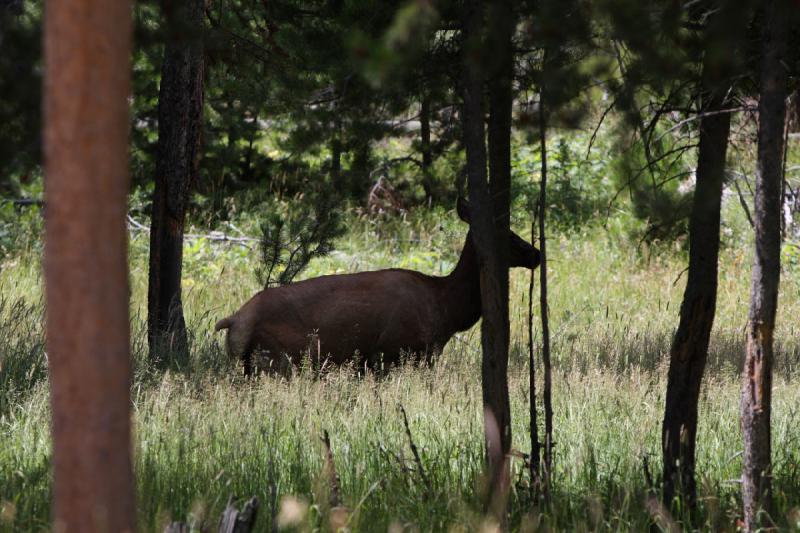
87,85
361,168
689,349
490,204
495,326
425,145
336,163
180,121
757,379
547,387
534,462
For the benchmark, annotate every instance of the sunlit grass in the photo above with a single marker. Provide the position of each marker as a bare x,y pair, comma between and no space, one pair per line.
203,434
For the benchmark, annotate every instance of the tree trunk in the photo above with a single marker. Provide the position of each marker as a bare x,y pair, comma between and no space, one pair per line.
793,115
87,85
490,202
757,378
689,349
336,163
543,309
360,180
425,145
495,330
180,120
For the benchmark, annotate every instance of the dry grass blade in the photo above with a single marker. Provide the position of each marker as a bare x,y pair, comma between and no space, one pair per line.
334,497
415,452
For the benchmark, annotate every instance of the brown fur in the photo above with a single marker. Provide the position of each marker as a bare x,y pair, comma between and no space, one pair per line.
370,318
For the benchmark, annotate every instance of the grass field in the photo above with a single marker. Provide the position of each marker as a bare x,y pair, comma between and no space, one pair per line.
203,434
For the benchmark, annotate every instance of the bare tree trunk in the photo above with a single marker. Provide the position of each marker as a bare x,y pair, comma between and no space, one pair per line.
425,142
336,162
490,202
757,379
547,369
495,327
534,462
359,178
689,349
336,154
180,121
87,84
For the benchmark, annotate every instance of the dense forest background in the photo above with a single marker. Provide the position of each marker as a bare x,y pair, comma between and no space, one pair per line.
339,97
272,141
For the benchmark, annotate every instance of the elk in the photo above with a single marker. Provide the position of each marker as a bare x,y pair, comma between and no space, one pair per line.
368,318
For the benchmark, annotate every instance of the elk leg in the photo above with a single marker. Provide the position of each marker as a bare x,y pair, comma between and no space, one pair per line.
247,359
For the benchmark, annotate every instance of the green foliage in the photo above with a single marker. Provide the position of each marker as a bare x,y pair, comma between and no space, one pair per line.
790,255
403,45
20,92
20,229
23,363
21,223
654,179
145,79
292,237
299,92
579,192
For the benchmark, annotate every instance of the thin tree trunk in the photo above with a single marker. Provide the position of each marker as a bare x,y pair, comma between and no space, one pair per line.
425,142
87,84
360,180
336,162
180,121
793,113
784,185
757,379
689,349
337,148
547,369
535,457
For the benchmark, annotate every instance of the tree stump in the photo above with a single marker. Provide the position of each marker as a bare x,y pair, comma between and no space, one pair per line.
235,521
231,521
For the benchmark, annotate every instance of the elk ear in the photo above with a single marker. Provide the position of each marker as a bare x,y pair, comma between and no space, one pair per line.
462,208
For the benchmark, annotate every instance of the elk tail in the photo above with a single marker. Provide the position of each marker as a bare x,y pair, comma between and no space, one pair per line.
225,323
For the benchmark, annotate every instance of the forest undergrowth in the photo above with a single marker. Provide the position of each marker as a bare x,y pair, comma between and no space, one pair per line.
203,434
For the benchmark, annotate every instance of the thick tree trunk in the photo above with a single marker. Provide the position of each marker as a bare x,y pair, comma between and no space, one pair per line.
689,349
490,204
87,84
180,121
495,302
757,379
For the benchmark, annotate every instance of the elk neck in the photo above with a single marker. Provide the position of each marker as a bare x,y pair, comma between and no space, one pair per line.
461,291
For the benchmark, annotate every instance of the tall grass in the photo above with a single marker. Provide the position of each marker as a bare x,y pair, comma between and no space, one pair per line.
203,434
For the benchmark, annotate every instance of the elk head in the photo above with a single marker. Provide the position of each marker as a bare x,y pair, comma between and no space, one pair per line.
520,253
